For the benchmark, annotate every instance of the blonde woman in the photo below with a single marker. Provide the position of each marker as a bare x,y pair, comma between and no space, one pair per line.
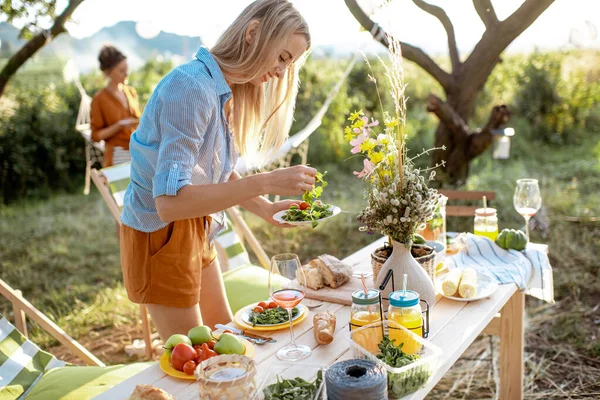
236,98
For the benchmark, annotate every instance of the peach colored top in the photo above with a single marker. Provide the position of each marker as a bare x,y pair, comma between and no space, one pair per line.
108,110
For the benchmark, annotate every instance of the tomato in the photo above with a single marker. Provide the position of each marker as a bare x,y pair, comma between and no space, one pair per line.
189,367
272,304
211,344
181,354
198,347
227,331
208,353
304,205
258,309
263,304
294,205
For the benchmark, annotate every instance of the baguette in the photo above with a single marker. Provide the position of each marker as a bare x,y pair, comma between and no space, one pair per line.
335,273
149,392
310,277
324,327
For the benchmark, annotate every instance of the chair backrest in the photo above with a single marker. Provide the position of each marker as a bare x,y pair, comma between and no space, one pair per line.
22,363
469,196
112,183
23,308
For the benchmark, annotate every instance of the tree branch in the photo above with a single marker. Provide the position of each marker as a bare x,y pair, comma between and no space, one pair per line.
440,14
448,116
486,12
35,44
409,52
523,17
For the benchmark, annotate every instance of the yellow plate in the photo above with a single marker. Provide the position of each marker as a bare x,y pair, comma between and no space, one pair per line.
238,320
168,369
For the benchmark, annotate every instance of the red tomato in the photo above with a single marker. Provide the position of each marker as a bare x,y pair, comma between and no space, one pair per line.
258,309
304,205
272,304
227,331
181,353
208,353
211,344
198,348
263,304
189,367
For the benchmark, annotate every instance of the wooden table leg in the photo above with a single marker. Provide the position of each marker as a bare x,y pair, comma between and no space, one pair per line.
512,339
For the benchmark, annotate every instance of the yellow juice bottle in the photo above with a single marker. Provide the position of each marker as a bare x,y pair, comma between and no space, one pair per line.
405,310
365,311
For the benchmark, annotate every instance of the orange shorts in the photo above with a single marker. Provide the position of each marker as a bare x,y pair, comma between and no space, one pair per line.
165,267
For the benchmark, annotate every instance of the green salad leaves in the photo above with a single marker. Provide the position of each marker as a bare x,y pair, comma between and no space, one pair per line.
271,316
311,209
293,389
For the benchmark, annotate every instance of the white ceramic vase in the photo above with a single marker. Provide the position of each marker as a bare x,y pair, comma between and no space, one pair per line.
402,262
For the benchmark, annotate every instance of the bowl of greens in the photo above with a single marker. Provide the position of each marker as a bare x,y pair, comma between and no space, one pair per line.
284,381
406,372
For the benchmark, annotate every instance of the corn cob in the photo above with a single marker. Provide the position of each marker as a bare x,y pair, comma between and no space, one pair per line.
468,283
451,282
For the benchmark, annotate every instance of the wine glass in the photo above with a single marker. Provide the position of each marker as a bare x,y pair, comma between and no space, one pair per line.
287,297
527,199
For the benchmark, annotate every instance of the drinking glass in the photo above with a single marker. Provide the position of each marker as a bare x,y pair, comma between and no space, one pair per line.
527,199
288,265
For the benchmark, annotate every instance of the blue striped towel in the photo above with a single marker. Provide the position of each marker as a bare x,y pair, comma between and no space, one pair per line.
530,269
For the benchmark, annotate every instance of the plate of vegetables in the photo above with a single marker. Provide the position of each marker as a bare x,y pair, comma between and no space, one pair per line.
309,211
266,315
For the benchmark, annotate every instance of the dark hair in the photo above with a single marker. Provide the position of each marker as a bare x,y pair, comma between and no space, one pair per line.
109,57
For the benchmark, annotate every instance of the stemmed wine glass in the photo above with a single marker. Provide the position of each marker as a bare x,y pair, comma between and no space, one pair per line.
527,199
287,297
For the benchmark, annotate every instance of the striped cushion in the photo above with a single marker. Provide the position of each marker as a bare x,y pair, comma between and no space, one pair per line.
22,363
118,179
237,255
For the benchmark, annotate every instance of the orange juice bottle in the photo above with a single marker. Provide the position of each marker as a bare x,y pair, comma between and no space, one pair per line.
405,310
365,311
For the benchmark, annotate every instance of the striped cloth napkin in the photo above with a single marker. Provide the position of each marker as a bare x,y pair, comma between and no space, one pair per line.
530,269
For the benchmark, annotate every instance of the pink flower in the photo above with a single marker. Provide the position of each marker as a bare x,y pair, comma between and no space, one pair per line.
367,126
360,139
368,168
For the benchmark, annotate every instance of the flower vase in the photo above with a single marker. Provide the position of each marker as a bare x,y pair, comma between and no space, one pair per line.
402,262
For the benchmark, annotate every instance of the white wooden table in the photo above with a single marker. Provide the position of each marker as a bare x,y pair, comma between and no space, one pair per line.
453,327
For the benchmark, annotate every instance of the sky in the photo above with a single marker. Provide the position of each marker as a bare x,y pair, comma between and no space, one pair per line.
331,23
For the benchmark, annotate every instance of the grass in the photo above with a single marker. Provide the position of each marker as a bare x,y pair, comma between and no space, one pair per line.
63,254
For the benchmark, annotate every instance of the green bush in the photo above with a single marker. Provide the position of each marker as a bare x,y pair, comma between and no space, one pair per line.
40,151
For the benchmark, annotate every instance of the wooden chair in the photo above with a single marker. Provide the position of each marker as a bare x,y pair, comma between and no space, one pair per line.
23,308
470,196
112,183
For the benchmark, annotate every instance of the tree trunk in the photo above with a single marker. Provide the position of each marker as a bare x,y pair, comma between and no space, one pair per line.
461,144
35,44
465,81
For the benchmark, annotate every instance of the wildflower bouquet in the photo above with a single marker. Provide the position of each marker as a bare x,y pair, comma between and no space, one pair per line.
399,200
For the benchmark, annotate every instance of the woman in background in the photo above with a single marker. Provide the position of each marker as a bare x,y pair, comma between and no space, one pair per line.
115,109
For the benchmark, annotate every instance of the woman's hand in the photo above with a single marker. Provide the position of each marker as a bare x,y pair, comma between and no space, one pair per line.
290,181
274,208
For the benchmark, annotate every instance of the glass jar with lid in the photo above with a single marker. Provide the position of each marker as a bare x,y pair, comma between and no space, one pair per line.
365,310
486,223
405,309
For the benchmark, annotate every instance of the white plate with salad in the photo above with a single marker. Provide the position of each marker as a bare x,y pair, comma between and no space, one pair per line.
302,213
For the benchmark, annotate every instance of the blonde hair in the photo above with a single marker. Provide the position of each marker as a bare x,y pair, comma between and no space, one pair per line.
261,115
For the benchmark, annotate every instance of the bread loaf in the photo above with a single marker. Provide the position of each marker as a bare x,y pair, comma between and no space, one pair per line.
148,392
324,327
310,277
335,273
